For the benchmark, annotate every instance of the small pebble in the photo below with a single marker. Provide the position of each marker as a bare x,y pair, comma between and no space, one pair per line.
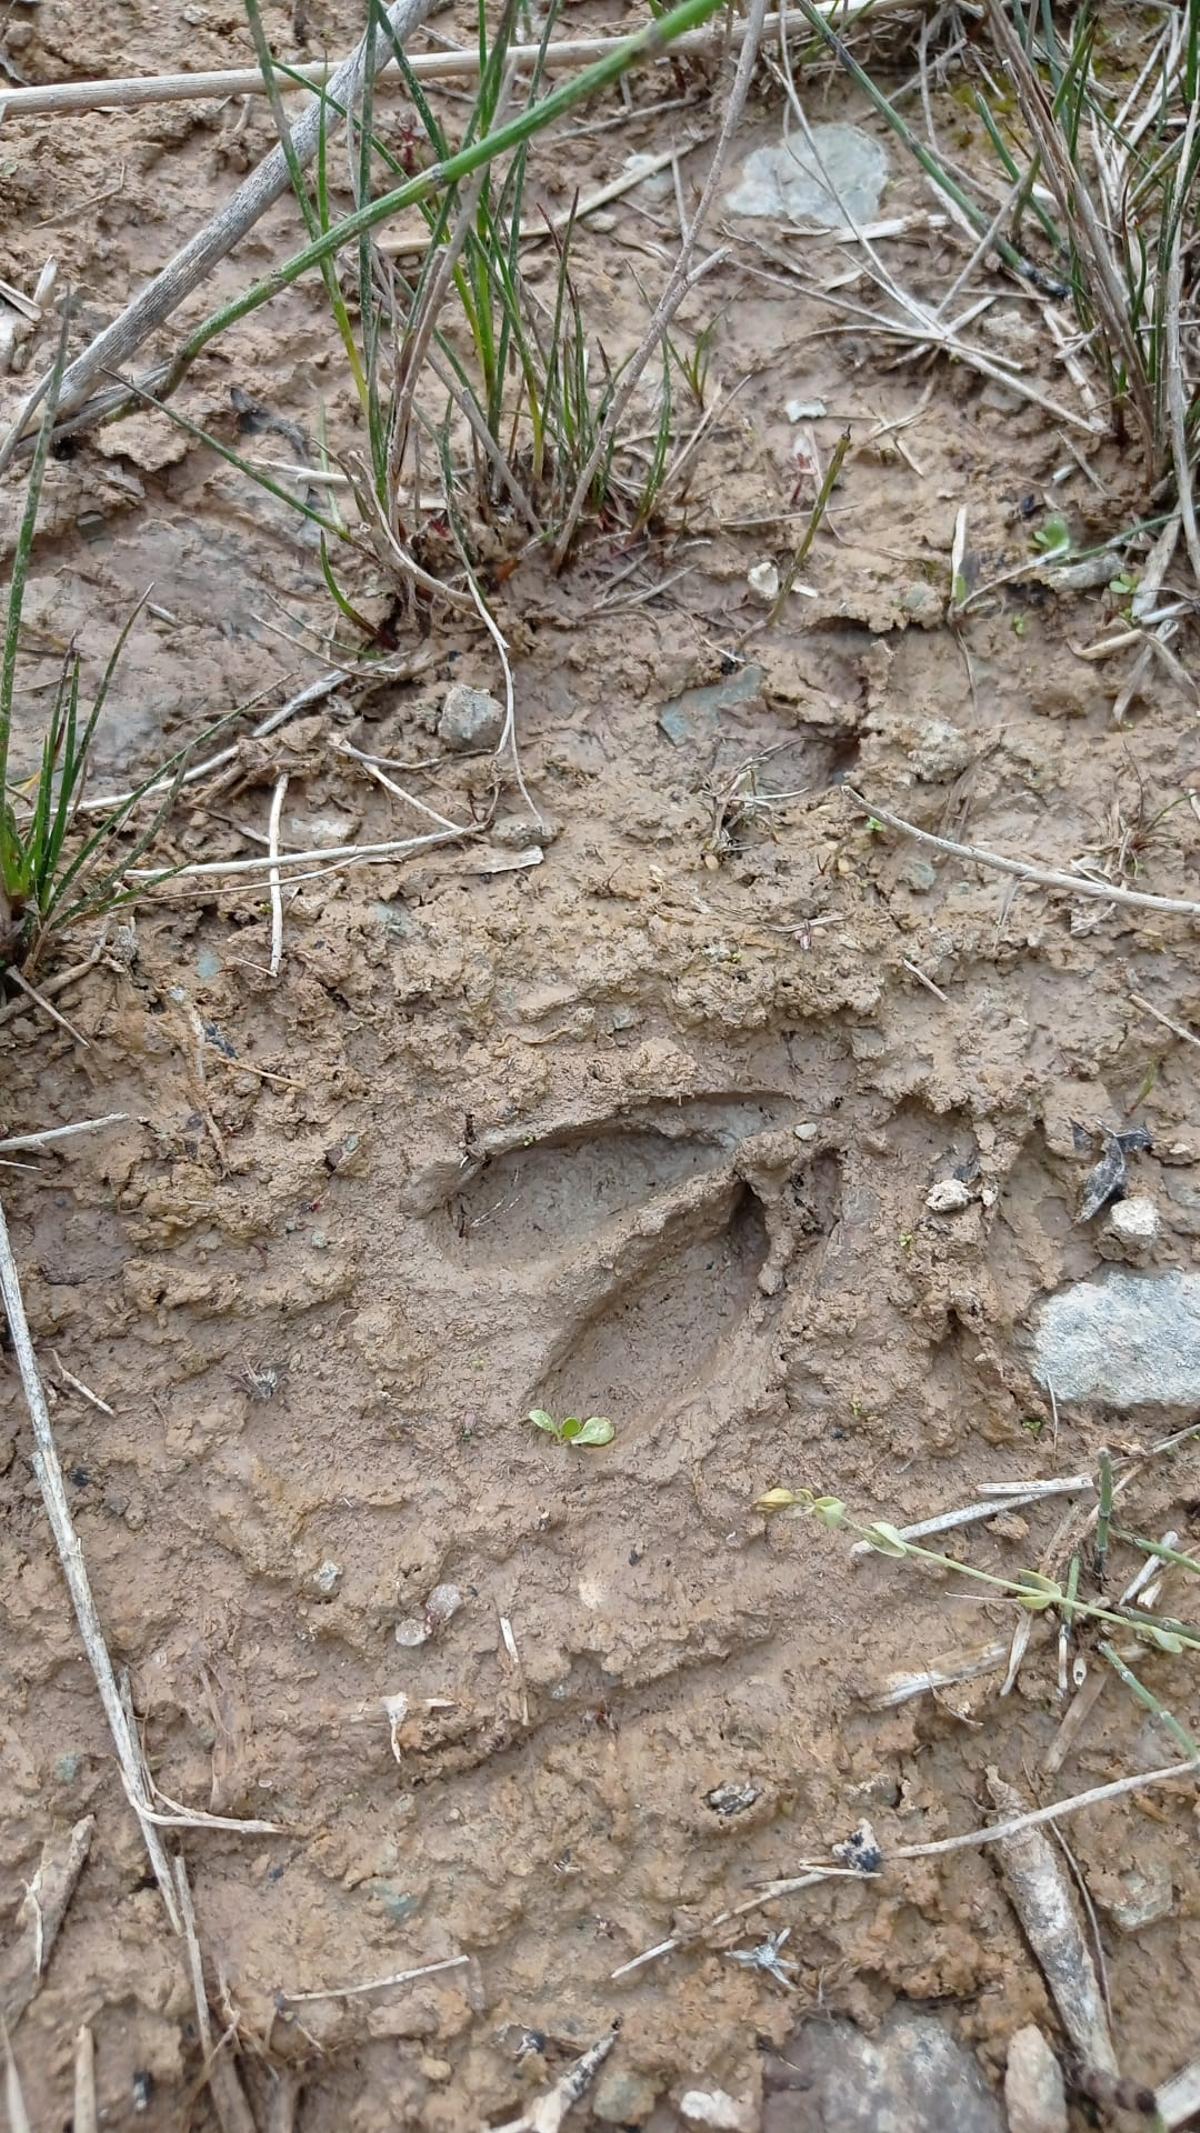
442,1605
948,1197
327,1578
1130,1230
1033,2086
763,580
470,719
411,1631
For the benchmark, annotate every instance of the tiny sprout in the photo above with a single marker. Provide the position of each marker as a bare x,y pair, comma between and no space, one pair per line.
1054,538
1038,1592
595,1431
886,1539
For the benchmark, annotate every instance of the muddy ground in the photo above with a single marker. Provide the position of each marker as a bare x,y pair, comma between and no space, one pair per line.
645,1131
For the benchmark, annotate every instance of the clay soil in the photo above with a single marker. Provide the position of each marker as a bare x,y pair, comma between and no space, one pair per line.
645,1131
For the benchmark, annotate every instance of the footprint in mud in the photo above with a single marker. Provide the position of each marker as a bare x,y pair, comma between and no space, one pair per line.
667,1336
531,1202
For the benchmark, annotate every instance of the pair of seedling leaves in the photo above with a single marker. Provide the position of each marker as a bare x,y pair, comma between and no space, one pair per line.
595,1431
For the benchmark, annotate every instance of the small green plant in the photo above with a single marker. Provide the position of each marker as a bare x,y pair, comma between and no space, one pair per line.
595,1431
695,365
1054,538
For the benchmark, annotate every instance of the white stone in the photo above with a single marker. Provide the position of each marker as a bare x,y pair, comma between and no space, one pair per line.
763,580
1130,1230
948,1197
712,2107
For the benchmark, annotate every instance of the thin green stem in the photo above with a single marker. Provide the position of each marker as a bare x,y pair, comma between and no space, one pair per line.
1157,1548
1149,1701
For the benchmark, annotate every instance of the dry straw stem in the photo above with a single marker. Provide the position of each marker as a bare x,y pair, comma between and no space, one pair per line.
942,1673
547,2112
70,1554
139,1786
1041,1897
14,2095
1177,1029
83,2118
1176,389
42,1911
277,800
233,2112
53,1134
1179,2098
970,1514
1045,877
193,265
123,92
374,1984
218,869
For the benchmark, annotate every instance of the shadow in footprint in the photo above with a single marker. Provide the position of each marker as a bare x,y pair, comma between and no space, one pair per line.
660,1340
535,1201
530,1203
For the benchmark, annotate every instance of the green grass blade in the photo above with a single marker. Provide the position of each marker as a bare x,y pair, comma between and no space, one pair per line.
644,44
20,562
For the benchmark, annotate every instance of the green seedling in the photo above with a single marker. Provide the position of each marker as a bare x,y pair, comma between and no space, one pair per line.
595,1431
1054,538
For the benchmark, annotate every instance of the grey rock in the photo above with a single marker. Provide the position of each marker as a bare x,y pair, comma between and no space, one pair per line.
622,2097
1034,2096
470,719
328,830
787,182
938,750
519,833
948,1197
695,716
830,2078
1127,1339
1147,1894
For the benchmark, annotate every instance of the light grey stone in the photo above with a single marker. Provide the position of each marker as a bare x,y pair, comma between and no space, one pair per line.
1130,1230
948,1197
763,581
1127,1339
622,2097
1147,1894
470,719
787,182
830,2078
1034,2096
